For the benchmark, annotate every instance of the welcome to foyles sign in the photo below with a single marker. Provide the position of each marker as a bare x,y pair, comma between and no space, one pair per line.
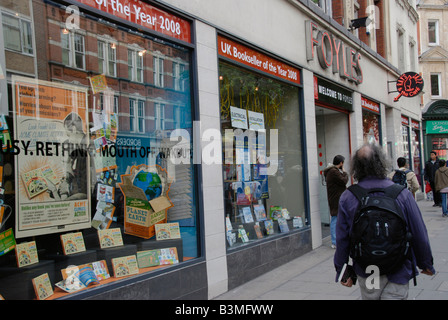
332,53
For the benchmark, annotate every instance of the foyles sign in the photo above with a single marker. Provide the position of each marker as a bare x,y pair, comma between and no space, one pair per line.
332,53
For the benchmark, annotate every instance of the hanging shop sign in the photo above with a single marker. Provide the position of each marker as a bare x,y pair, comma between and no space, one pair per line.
254,59
409,85
327,92
437,127
370,105
144,15
332,53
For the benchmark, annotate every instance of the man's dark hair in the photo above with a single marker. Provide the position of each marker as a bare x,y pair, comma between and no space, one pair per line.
338,159
435,153
442,163
401,162
369,160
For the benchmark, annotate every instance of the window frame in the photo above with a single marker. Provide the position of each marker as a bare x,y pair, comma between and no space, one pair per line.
21,34
71,49
108,62
135,69
158,64
436,32
439,87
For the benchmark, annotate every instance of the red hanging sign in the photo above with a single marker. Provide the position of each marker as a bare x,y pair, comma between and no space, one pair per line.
409,85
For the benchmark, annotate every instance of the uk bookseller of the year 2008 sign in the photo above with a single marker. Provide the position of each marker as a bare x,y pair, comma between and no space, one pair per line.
51,161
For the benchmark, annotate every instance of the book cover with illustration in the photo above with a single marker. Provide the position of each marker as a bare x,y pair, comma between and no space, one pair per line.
165,231
72,243
26,254
36,181
42,286
109,238
125,266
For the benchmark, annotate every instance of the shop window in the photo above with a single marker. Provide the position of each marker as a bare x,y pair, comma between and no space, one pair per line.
17,34
371,127
262,200
95,194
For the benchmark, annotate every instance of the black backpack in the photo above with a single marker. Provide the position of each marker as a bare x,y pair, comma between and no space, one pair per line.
379,234
400,177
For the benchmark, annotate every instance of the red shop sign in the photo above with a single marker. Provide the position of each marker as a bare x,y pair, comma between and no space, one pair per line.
254,59
144,15
404,120
370,105
409,85
415,124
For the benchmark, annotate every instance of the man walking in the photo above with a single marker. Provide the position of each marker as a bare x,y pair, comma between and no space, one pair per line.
336,179
368,168
431,167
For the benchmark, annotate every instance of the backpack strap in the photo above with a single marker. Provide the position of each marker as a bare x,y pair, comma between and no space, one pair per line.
394,190
359,192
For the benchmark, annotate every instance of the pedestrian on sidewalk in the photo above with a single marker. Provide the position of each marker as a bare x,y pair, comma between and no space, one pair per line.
441,184
431,167
405,176
336,179
368,168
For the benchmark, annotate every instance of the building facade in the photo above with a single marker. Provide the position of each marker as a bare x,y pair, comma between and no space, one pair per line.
433,59
181,144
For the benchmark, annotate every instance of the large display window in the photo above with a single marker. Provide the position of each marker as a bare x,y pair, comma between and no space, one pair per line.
371,121
95,185
260,121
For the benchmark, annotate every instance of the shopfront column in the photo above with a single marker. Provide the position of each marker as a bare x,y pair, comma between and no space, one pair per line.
215,241
356,129
312,151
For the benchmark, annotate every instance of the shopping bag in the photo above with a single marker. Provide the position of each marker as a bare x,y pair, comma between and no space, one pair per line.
427,187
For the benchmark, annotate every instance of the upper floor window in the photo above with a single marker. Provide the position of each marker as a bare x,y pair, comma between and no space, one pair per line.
136,115
178,70
135,65
325,5
435,85
400,49
17,34
160,116
433,32
73,49
158,71
107,58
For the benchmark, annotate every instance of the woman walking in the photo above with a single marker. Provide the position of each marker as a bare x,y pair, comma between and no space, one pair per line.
441,184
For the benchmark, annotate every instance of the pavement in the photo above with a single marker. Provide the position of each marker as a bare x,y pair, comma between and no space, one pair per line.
312,276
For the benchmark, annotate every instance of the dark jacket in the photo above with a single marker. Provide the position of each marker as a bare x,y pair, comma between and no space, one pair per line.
421,249
430,170
336,185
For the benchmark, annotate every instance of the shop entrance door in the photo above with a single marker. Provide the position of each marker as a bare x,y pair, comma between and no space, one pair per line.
332,131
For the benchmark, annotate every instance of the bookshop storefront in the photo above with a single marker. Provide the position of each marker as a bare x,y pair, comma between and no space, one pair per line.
263,164
435,128
95,200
